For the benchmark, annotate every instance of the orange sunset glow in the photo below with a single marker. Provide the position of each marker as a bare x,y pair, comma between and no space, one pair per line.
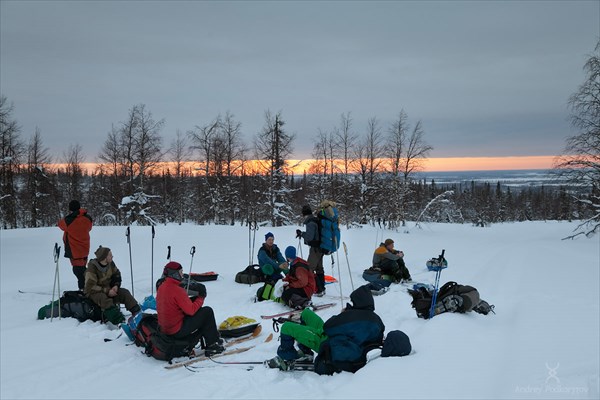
441,164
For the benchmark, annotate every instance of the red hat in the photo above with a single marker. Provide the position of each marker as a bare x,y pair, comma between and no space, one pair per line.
173,265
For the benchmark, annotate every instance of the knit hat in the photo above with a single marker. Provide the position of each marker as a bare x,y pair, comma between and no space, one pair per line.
290,252
172,270
306,210
101,253
388,242
74,205
268,235
396,344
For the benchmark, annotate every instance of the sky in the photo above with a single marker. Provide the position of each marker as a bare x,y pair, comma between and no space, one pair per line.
486,79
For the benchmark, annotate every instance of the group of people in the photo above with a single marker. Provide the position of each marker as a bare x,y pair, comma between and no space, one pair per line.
340,341
179,316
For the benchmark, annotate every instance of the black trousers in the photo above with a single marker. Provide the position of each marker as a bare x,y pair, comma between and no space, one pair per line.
287,294
201,325
395,268
79,272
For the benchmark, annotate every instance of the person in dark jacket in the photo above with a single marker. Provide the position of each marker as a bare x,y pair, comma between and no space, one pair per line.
76,227
103,286
183,318
299,282
391,262
342,342
270,260
312,238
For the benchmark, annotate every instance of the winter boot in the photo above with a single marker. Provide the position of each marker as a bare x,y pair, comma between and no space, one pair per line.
286,349
320,281
215,348
305,352
277,362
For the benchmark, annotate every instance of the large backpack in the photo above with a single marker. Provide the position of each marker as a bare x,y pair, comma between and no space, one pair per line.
452,297
329,227
158,345
251,275
73,304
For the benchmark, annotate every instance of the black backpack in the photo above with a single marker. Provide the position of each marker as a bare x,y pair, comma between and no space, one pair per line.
251,275
73,304
158,345
452,297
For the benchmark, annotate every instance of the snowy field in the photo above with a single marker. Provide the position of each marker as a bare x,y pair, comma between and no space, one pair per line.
542,343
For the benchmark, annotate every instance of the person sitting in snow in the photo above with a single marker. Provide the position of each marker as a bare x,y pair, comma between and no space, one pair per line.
300,282
271,260
342,342
183,318
391,262
103,287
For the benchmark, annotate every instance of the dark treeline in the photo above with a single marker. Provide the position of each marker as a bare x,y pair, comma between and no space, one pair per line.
370,175
42,198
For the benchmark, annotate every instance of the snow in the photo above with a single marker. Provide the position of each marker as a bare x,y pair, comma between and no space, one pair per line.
542,343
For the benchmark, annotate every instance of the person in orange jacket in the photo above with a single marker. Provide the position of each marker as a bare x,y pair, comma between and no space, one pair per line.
77,226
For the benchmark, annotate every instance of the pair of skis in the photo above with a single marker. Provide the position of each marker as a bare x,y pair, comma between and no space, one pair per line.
228,349
291,313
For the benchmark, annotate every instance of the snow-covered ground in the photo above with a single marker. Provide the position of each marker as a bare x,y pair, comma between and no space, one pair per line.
542,343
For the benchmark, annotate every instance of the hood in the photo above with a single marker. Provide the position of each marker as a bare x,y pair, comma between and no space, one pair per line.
362,299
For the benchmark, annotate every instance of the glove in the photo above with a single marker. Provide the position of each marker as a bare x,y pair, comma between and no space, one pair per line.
298,233
201,289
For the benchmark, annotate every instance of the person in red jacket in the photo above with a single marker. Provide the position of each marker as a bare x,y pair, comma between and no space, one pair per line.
77,226
185,318
300,282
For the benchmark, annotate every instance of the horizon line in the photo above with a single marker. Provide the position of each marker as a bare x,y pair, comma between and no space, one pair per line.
433,164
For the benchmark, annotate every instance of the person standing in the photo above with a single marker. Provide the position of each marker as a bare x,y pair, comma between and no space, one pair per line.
76,237
183,318
312,238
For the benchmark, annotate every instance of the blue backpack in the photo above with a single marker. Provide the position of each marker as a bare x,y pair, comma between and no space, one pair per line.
329,227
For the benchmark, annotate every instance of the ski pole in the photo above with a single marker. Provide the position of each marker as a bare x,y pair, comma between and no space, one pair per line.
438,272
130,261
56,280
348,262
152,265
168,253
192,252
300,247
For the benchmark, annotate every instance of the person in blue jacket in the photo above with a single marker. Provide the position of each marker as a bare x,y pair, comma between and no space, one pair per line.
271,260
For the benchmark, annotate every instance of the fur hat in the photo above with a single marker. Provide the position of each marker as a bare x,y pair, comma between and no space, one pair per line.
388,242
101,253
74,205
268,235
172,270
290,252
306,210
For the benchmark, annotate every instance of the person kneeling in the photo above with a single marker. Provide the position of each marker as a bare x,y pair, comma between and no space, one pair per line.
300,281
183,318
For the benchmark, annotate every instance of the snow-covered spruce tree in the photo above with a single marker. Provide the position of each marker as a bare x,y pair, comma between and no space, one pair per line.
273,146
12,150
130,153
580,163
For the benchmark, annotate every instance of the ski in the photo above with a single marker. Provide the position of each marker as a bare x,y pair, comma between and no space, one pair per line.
204,358
314,307
41,293
228,345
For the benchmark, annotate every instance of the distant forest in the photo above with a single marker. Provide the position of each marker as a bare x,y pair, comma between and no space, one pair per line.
372,178
42,199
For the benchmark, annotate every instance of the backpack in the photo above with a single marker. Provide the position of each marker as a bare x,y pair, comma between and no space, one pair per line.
250,275
195,288
329,227
452,297
73,304
158,345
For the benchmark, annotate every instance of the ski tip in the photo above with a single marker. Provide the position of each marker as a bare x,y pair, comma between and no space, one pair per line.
269,338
